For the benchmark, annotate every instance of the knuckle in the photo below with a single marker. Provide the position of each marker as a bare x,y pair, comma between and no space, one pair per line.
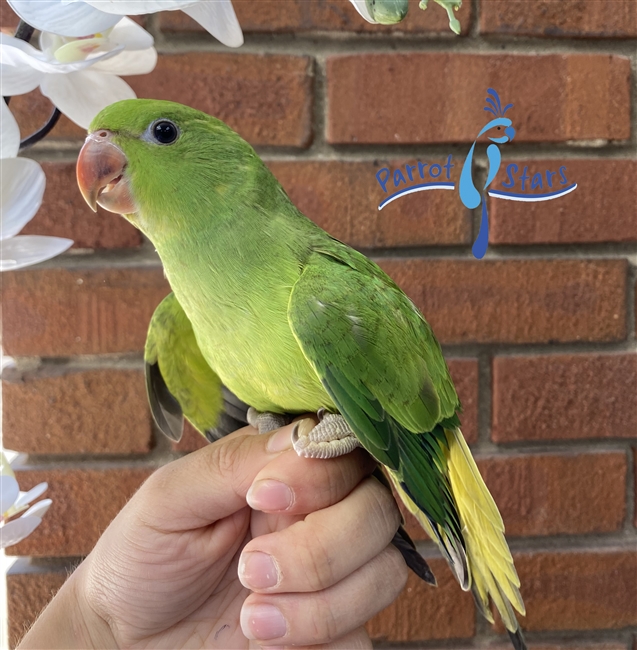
225,459
315,561
325,624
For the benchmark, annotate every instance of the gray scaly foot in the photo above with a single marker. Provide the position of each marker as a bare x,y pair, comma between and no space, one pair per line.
331,437
266,422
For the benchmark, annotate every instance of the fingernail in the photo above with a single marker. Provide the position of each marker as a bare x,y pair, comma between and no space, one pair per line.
269,495
279,441
262,622
258,571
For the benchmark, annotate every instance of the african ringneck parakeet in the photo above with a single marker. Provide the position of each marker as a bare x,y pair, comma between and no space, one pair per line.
291,321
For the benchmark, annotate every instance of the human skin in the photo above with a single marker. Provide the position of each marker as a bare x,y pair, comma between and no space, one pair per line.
241,544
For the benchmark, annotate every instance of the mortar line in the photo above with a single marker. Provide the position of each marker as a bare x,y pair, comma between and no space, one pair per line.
146,257
344,43
66,151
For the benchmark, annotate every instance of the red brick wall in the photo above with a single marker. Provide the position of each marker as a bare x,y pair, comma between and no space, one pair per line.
541,334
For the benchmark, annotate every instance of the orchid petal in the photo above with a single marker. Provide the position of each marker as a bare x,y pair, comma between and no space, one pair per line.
68,19
133,62
361,7
82,95
18,73
16,57
133,36
34,493
219,19
9,133
38,509
15,531
134,7
9,492
22,183
5,467
25,250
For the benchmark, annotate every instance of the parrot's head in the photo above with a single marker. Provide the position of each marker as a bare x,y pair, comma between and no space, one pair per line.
387,12
499,130
155,162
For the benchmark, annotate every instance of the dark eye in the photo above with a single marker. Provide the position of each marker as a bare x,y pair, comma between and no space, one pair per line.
164,132
499,128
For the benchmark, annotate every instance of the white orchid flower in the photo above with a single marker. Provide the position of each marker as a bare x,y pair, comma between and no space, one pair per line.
79,75
80,18
22,184
12,502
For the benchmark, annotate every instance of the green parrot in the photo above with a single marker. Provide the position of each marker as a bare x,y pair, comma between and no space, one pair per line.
291,321
389,12
384,12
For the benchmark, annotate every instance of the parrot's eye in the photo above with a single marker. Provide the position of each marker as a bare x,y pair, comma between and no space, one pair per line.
164,132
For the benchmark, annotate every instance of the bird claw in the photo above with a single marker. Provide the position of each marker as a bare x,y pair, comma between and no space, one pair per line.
330,438
265,421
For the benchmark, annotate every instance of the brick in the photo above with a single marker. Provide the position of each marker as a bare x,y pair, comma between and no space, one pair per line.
635,475
545,494
422,612
515,301
570,396
85,501
8,19
556,97
73,413
266,98
464,373
599,210
64,213
557,494
28,594
560,18
33,111
59,312
579,590
331,15
343,198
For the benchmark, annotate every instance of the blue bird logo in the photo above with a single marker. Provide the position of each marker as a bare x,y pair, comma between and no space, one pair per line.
470,196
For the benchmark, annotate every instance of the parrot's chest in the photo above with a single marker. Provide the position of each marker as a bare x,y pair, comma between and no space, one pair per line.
243,332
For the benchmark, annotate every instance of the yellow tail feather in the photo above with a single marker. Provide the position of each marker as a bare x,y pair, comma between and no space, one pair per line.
487,569
490,560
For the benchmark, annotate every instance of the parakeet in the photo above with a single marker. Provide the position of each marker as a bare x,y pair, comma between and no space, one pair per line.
385,12
291,321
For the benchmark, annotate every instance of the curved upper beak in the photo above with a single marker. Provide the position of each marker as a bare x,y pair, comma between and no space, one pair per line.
100,174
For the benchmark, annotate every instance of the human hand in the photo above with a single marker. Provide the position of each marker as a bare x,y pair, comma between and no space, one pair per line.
185,563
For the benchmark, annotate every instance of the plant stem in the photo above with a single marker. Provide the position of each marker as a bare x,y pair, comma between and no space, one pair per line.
24,32
42,132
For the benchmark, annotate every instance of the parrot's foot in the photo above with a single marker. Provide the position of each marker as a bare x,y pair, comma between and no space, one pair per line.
331,437
266,422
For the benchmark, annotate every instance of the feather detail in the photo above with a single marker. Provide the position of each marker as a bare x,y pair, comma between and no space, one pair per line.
490,562
452,551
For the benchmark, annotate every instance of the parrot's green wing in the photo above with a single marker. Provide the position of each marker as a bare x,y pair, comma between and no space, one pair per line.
180,382
381,365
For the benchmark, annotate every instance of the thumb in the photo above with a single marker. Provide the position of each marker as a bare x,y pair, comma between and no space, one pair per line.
212,483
